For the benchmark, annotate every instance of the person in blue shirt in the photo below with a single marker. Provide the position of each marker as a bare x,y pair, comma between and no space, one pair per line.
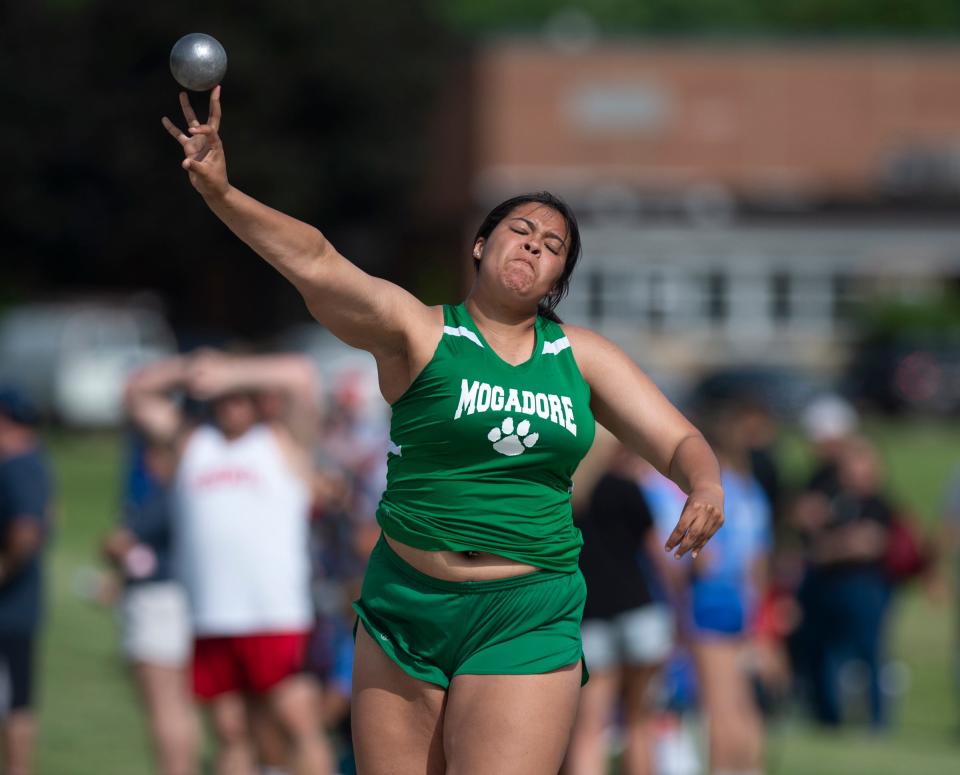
154,615
723,588
25,502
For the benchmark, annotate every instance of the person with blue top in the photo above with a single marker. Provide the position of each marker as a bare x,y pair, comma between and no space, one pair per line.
724,586
154,614
26,496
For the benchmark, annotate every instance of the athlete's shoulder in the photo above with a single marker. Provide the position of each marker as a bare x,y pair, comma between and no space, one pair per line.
587,340
456,324
591,350
427,321
425,332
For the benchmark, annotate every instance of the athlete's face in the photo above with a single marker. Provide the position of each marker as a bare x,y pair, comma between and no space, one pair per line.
526,252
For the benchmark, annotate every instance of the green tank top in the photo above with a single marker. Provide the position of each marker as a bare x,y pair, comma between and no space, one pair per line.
482,452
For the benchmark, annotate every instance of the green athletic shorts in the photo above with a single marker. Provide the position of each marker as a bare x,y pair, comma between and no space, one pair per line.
435,629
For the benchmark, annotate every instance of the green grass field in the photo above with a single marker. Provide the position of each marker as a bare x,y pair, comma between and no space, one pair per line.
90,722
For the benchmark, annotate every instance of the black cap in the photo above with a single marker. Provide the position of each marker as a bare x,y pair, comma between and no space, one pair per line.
15,406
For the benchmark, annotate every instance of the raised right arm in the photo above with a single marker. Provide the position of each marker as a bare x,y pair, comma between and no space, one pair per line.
148,402
361,310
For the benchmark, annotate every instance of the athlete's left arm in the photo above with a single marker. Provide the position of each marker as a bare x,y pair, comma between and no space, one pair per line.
627,402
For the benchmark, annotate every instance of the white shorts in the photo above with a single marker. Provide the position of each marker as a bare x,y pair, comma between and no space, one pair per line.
643,636
155,623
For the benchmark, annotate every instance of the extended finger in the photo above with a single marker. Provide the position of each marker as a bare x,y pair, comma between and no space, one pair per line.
188,113
710,524
174,131
213,137
683,524
214,118
691,539
698,545
697,523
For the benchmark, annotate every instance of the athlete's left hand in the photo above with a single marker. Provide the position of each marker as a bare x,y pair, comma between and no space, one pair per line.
702,516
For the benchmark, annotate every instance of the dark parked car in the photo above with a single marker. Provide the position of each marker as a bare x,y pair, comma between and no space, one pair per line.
916,374
785,392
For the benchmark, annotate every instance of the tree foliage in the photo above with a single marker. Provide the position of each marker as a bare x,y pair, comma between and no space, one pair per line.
324,112
737,17
326,106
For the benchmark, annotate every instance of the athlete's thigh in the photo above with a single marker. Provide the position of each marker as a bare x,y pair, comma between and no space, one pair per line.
397,720
510,724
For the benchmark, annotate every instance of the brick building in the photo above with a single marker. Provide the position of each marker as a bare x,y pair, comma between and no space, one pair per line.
737,200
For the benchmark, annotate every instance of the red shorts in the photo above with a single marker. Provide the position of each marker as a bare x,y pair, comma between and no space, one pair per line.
246,663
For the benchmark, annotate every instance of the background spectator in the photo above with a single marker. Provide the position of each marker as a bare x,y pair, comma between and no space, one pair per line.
26,493
242,504
627,627
154,616
848,591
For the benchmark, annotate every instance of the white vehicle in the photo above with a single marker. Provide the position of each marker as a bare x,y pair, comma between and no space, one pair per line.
73,358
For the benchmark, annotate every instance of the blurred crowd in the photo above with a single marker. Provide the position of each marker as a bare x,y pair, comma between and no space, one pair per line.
249,513
785,612
248,501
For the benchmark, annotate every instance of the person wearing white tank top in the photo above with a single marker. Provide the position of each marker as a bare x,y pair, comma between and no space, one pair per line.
241,536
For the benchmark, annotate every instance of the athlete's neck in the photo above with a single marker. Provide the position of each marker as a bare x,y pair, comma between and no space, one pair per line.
511,336
504,322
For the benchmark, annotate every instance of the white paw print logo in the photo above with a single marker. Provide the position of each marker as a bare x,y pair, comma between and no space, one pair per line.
509,441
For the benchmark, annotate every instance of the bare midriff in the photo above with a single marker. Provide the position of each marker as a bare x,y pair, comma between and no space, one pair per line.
460,566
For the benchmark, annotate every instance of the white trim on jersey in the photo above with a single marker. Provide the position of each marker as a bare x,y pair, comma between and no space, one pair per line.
556,347
465,332
394,449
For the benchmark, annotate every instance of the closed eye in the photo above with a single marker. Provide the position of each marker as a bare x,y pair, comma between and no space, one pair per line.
552,247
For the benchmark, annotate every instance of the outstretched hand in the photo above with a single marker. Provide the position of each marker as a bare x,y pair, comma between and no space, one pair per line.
204,159
702,516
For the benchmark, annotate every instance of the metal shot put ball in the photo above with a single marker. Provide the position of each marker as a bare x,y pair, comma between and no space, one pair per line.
198,61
